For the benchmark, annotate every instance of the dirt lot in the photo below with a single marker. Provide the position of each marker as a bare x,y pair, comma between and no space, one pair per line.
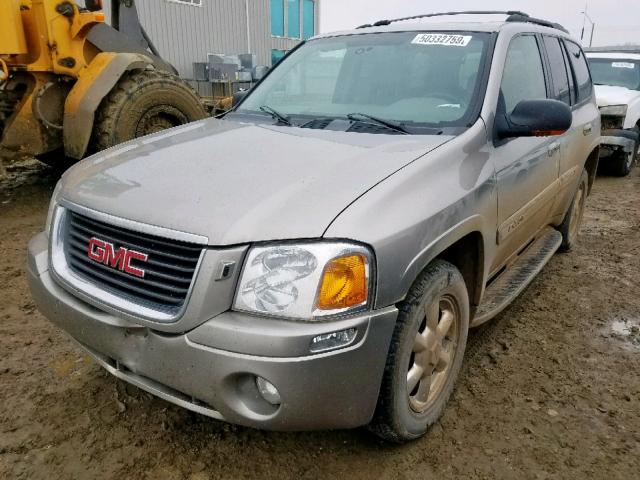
551,389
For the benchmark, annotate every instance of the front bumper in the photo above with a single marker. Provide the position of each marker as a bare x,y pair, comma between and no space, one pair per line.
625,140
211,369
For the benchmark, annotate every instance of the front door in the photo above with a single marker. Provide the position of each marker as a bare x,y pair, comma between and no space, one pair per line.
526,168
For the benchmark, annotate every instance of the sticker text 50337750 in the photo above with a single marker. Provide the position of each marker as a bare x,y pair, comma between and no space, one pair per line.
442,39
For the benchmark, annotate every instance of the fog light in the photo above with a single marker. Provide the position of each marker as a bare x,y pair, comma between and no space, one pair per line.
268,391
331,341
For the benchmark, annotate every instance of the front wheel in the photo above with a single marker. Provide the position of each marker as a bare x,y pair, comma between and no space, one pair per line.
425,356
622,162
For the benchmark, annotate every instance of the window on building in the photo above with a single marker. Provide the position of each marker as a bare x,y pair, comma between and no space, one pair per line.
580,69
293,18
559,75
277,55
523,77
195,3
308,18
277,18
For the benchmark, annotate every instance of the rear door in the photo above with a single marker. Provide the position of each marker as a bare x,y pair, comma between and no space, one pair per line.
584,134
527,168
564,89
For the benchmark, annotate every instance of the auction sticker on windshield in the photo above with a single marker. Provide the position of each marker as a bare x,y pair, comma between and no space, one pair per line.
623,65
442,39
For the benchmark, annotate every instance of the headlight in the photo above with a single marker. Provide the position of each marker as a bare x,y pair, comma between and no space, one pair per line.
52,205
614,110
305,281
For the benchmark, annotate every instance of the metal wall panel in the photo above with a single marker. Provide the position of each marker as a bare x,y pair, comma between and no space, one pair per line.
185,34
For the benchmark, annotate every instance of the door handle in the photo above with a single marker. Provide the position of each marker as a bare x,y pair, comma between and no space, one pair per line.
588,128
553,149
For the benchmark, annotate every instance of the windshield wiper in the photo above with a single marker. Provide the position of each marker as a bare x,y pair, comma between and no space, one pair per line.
276,115
387,123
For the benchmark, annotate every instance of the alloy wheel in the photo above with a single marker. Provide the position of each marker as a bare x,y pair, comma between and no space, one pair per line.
433,353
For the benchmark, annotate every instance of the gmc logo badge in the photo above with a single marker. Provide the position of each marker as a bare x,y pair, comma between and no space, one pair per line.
106,254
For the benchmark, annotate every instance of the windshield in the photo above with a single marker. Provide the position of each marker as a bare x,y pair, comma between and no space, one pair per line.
619,73
423,78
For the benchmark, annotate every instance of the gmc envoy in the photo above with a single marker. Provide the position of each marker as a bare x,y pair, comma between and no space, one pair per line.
315,259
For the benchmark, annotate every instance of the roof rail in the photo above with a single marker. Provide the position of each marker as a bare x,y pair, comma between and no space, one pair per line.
518,17
615,49
512,16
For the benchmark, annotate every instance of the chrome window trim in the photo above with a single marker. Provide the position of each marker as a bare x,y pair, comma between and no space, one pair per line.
97,296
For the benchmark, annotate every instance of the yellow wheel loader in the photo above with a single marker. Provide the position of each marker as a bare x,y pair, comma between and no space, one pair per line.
69,81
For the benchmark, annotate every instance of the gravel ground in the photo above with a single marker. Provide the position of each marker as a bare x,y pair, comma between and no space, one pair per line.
550,389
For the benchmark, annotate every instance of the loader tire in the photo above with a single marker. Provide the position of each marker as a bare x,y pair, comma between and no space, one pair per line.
144,102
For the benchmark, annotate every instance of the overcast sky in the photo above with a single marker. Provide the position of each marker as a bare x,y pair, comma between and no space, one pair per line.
617,21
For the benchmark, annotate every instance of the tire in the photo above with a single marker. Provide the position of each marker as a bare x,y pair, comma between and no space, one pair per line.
622,162
144,102
570,227
402,415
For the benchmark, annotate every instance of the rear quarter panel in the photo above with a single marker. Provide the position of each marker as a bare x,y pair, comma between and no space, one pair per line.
577,145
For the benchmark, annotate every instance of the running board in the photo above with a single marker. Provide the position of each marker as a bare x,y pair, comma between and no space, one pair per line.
513,281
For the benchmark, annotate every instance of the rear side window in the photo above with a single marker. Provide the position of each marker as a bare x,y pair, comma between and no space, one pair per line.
581,70
523,77
559,74
572,81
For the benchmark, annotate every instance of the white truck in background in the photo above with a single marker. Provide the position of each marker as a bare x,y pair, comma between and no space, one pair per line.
616,76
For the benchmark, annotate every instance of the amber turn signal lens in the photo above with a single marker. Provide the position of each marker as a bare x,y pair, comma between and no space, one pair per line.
344,283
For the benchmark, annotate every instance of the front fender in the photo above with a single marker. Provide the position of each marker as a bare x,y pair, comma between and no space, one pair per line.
94,83
632,120
471,225
417,213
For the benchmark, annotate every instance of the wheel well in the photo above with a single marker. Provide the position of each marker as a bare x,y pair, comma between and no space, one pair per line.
467,255
592,166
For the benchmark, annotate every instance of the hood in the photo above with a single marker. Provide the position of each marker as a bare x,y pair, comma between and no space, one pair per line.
238,183
607,95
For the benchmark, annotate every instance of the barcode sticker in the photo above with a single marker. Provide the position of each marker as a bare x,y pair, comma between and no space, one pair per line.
623,65
442,39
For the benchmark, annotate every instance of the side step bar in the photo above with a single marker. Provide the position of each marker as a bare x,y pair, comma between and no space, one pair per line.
513,281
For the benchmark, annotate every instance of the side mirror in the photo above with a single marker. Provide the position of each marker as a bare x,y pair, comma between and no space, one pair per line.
239,96
535,118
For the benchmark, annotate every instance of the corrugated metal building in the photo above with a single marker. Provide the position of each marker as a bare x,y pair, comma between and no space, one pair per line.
185,31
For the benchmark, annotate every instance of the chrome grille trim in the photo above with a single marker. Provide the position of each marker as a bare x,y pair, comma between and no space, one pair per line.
166,233
168,289
112,289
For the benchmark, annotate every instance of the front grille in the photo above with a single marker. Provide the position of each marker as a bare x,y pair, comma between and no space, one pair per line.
168,271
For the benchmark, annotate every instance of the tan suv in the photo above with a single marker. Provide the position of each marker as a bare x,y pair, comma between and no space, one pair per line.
315,259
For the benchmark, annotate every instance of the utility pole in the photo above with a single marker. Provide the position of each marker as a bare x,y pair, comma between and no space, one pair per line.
584,21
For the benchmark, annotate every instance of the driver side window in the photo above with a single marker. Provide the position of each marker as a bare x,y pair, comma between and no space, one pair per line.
523,77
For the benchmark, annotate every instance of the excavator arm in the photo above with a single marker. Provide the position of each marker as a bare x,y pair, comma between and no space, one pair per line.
126,33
